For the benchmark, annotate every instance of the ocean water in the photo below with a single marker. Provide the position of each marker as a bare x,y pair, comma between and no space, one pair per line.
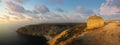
9,36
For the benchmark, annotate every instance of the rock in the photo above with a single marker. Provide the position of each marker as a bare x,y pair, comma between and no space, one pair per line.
67,34
47,30
76,34
107,35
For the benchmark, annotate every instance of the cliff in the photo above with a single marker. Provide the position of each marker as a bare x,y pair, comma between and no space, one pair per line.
47,30
107,35
67,34
76,34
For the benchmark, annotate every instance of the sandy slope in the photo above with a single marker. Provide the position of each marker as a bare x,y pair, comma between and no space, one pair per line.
107,35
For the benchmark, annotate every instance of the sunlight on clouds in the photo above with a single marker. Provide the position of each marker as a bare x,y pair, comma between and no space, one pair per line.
110,7
17,11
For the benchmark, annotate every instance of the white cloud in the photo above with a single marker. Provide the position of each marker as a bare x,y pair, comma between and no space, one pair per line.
56,1
41,8
20,1
15,7
59,10
42,13
110,7
83,11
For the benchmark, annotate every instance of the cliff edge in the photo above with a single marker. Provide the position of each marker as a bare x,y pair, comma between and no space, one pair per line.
107,35
76,34
47,30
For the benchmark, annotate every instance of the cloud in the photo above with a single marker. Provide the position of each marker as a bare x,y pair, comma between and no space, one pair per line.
75,17
6,17
14,7
42,13
21,12
111,17
58,18
19,15
20,1
56,1
41,8
59,10
83,11
110,7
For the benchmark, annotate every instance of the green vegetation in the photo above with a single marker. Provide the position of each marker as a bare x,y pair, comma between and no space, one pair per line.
71,33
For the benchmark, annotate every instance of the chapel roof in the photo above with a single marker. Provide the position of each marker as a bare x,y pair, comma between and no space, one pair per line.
94,17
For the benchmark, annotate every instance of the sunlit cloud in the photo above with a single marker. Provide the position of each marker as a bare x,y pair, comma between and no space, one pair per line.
56,1
59,10
15,7
18,10
42,8
83,11
110,7
20,1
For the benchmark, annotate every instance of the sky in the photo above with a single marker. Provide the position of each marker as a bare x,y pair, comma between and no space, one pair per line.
57,10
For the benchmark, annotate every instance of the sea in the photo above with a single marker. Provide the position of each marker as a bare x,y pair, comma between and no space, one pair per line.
9,36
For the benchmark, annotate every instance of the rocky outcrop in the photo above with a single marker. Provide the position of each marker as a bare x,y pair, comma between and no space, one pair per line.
76,34
67,34
47,30
107,35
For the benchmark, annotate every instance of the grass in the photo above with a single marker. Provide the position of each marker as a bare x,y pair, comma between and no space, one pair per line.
71,33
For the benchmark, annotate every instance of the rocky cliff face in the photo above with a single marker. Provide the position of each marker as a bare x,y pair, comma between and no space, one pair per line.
47,30
67,34
76,34
107,35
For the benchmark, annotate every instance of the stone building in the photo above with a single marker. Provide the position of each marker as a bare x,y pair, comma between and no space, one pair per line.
95,22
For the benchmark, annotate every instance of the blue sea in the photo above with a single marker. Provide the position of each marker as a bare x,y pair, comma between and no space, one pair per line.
9,36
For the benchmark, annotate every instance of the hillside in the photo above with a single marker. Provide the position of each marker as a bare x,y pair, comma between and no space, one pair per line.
67,34
107,35
76,34
47,30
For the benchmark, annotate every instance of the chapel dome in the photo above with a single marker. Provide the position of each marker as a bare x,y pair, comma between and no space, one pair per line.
94,17
95,22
